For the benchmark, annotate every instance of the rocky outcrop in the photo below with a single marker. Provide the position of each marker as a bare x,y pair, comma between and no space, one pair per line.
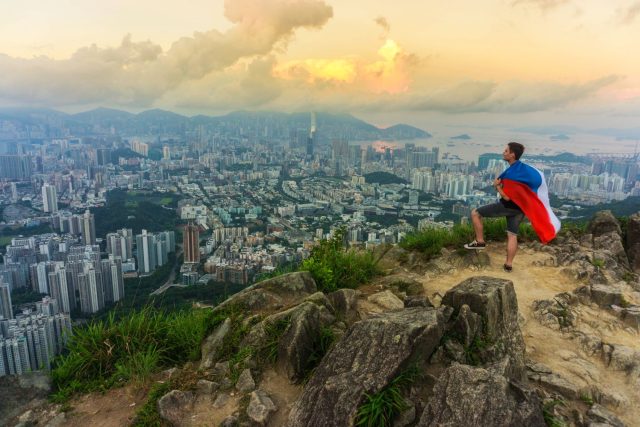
470,396
494,303
174,406
273,293
297,342
213,343
260,408
602,223
18,394
633,242
365,360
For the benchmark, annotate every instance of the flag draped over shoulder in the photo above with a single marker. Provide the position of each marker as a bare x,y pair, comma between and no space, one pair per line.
525,185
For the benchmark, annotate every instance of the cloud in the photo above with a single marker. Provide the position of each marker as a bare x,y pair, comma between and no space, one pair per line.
138,73
384,24
628,16
544,5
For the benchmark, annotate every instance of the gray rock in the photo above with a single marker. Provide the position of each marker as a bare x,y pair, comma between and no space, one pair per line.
297,342
605,296
174,406
345,304
260,408
366,359
213,343
633,242
386,300
406,417
494,300
39,380
467,325
468,396
293,287
221,400
600,414
230,421
603,222
206,388
631,316
556,383
609,247
221,369
245,382
417,301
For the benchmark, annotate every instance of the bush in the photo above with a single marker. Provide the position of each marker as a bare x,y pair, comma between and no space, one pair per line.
110,352
333,267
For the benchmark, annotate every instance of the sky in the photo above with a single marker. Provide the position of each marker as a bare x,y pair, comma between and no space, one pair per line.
492,62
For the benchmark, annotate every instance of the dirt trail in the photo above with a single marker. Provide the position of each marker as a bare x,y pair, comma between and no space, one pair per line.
555,349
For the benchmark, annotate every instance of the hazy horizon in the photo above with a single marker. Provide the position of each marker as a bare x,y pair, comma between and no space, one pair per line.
500,64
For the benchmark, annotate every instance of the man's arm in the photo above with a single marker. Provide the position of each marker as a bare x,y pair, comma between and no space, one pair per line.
498,186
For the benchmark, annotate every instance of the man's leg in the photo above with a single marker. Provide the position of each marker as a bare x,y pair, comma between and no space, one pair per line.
478,228
512,248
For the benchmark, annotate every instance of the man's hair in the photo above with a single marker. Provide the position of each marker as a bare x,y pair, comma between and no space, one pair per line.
516,148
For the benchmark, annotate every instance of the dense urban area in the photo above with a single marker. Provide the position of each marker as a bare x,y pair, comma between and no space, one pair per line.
108,211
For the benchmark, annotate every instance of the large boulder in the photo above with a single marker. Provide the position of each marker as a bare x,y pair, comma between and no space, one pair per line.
494,301
298,340
272,293
174,406
471,396
603,222
367,358
633,242
213,343
260,408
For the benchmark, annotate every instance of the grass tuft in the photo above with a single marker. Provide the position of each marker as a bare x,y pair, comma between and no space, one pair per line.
334,267
381,408
108,353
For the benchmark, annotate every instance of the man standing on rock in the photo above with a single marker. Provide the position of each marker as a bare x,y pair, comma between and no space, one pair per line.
523,192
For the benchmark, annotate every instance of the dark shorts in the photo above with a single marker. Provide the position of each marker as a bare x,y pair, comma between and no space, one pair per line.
514,216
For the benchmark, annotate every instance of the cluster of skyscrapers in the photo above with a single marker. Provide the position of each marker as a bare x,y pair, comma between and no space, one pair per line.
153,249
30,340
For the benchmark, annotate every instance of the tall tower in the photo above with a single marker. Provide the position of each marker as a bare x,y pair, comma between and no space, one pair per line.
88,228
146,244
49,198
312,135
6,310
191,243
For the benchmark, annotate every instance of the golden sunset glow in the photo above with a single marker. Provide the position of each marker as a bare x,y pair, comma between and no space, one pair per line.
490,57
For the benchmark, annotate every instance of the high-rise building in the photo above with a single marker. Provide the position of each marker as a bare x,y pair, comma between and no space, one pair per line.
49,198
312,136
6,310
104,156
147,252
166,152
120,244
88,228
191,243
16,167
91,289
61,289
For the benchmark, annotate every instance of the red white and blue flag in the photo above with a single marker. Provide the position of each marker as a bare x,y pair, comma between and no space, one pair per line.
525,185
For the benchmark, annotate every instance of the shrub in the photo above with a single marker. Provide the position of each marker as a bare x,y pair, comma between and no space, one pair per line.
333,267
111,352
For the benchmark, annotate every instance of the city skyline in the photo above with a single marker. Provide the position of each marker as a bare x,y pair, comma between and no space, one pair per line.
528,61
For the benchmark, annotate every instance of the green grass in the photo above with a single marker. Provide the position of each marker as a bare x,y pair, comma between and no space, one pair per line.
112,352
431,241
381,408
334,267
547,412
148,415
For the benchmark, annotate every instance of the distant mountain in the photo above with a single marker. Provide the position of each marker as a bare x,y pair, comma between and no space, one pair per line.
462,137
246,124
559,137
